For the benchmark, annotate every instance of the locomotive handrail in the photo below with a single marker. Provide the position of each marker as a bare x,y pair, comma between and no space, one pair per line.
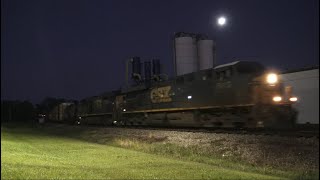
190,108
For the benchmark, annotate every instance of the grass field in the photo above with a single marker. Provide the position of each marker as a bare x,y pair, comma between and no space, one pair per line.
31,153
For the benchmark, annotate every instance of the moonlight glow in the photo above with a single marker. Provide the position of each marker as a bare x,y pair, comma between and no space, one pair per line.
222,21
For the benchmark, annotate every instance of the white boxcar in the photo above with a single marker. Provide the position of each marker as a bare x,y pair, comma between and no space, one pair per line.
305,85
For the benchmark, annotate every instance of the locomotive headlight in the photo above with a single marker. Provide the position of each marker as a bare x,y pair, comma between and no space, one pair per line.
272,78
293,99
277,99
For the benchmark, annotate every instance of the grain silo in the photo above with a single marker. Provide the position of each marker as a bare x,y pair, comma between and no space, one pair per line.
206,52
185,49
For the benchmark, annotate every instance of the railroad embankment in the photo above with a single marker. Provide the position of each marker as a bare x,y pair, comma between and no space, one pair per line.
273,156
288,153
299,154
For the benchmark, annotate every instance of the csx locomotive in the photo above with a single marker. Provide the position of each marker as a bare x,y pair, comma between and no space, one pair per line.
237,94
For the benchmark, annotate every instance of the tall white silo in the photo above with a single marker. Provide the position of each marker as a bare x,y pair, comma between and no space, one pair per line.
206,53
185,54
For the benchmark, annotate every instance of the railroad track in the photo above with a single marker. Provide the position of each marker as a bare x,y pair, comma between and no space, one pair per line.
306,133
298,132
264,132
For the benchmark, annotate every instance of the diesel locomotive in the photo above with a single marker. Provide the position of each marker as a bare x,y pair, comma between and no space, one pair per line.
237,94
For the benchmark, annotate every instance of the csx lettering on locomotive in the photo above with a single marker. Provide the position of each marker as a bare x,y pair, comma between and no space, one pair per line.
161,94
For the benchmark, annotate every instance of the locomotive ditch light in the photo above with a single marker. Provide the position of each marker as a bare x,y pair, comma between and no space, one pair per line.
293,99
277,98
272,78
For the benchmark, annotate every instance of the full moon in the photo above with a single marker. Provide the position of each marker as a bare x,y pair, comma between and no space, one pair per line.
222,21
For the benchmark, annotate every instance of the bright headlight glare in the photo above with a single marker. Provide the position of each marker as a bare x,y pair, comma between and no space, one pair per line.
277,98
293,99
272,78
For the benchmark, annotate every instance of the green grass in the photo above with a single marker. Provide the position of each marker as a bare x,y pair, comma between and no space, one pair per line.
196,154
31,153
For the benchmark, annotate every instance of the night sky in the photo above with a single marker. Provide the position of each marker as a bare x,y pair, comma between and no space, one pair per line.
75,49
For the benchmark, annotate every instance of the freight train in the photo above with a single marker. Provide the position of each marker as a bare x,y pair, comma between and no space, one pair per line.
237,94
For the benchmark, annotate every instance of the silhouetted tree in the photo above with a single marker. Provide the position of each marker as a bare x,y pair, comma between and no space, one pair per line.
17,111
48,104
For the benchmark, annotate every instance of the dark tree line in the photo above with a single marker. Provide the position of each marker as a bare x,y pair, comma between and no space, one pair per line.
25,111
17,111
48,104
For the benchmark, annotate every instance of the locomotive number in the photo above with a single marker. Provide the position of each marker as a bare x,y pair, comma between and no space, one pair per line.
161,94
223,85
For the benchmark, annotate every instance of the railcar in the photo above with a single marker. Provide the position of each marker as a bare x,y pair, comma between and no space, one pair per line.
237,94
